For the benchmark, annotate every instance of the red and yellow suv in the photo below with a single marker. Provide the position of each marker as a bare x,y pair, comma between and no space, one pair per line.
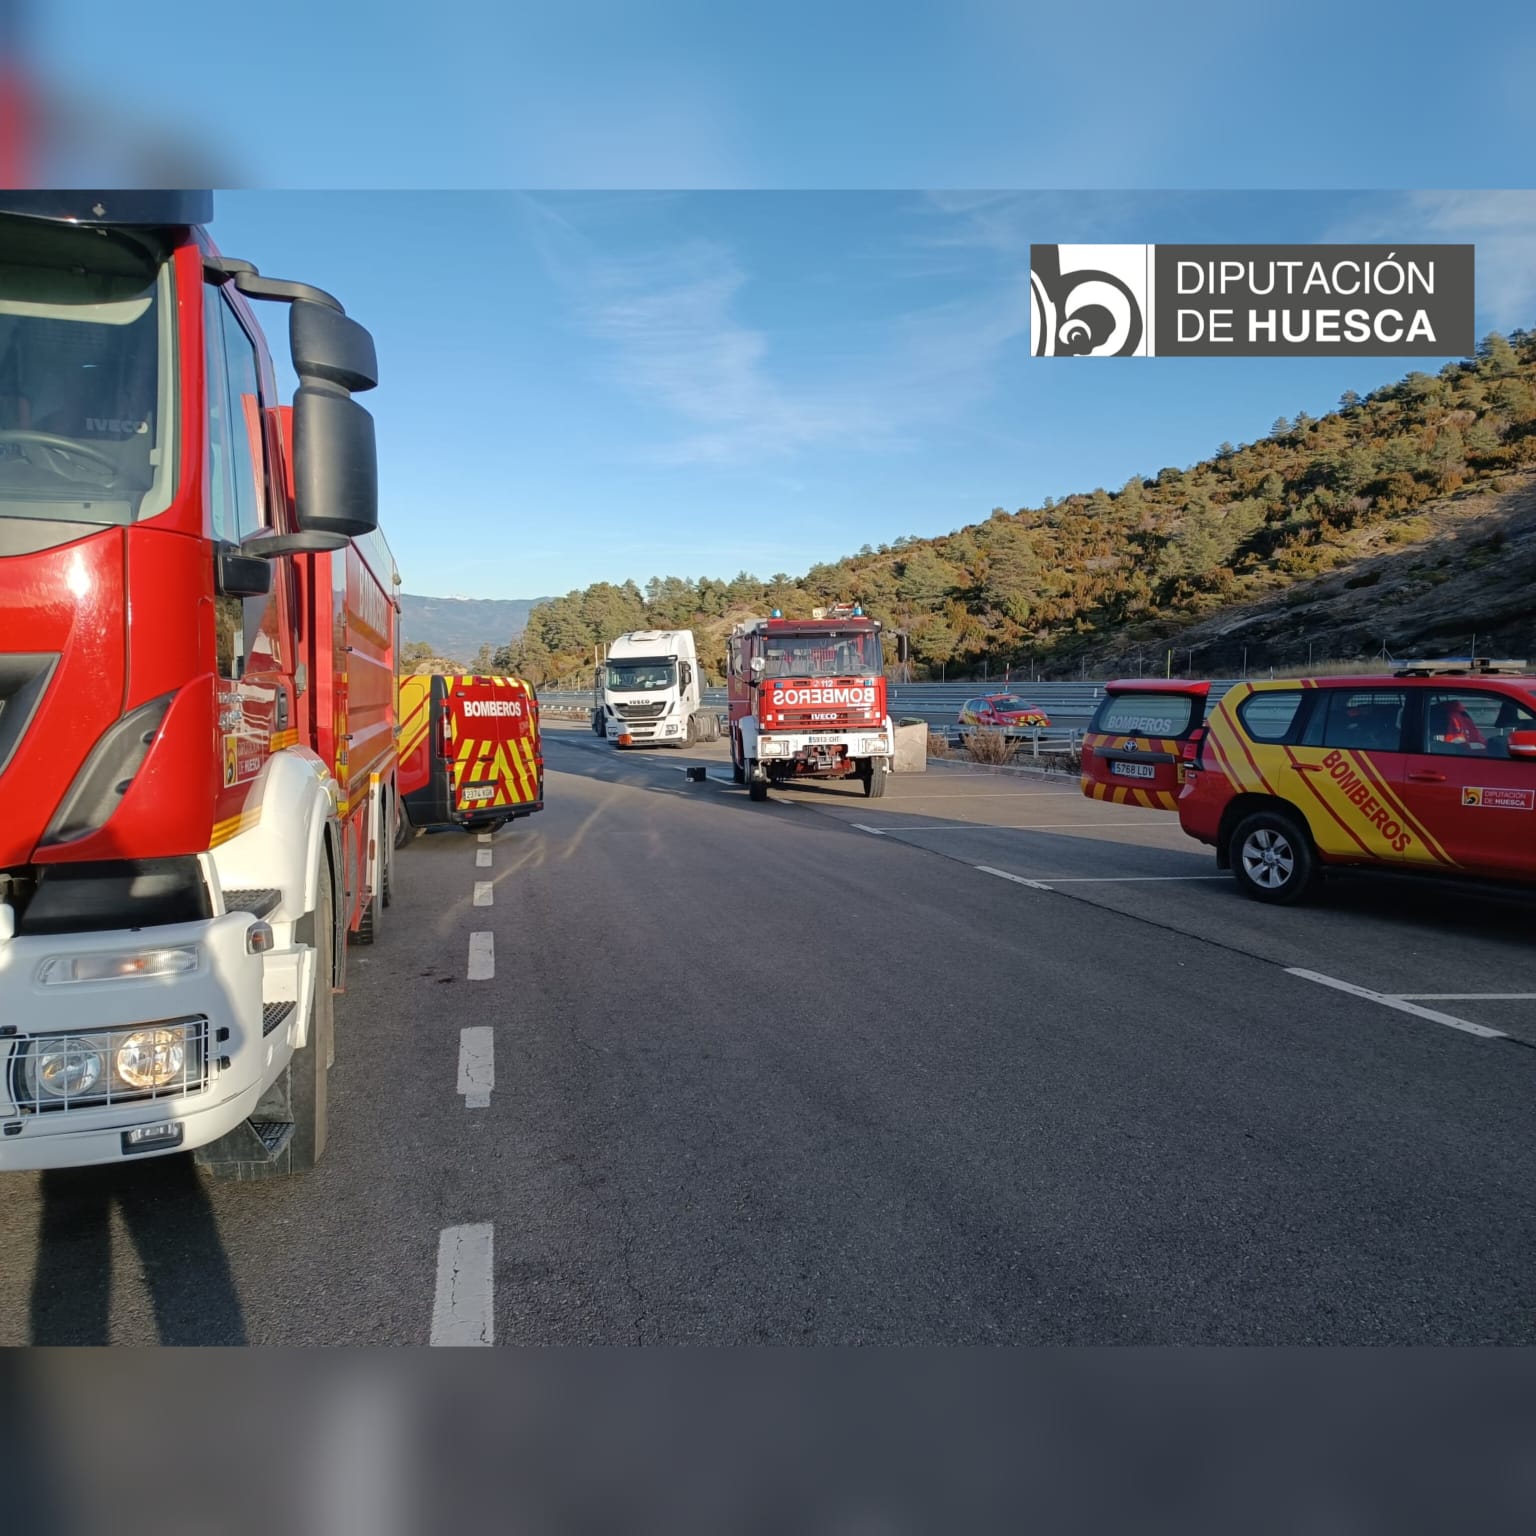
1133,748
1424,770
1004,711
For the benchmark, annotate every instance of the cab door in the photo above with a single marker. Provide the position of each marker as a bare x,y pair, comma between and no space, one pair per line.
1345,774
1476,800
1133,748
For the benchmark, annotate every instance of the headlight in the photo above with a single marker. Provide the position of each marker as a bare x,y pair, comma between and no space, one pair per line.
768,747
872,746
69,1068
151,1058
121,965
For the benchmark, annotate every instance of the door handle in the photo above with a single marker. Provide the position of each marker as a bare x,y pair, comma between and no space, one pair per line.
1307,767
1427,777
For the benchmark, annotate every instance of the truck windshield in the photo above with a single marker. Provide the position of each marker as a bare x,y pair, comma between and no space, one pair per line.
822,655
638,674
86,411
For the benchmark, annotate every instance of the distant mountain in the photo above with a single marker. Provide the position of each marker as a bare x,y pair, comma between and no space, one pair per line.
459,626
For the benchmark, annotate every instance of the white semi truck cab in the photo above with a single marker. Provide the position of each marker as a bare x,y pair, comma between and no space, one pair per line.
651,692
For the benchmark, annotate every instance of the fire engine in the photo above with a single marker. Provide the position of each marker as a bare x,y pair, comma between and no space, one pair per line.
199,626
807,700
1430,770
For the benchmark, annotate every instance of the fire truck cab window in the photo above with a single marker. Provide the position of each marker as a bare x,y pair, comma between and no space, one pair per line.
821,655
86,375
1469,723
1364,721
639,674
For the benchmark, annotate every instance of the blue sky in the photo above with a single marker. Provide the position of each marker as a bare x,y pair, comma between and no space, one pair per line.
583,386
806,93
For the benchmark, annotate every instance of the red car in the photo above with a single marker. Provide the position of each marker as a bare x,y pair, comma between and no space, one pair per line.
1004,711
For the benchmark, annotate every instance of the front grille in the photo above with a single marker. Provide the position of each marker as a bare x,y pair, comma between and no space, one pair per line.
105,1087
639,711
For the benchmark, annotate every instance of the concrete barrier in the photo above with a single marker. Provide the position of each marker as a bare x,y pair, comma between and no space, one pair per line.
911,747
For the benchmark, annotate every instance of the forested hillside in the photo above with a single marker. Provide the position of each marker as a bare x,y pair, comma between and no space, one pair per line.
1079,585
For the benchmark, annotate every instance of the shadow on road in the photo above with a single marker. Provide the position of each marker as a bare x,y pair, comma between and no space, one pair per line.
171,1223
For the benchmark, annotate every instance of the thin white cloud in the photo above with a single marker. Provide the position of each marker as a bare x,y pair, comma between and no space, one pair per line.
1501,224
672,334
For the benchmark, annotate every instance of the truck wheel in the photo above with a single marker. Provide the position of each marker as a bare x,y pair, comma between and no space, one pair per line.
308,1100
691,735
372,919
1272,857
598,726
757,789
738,773
873,777
387,876
402,826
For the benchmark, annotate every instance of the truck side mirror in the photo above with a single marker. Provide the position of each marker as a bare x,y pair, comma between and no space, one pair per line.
335,457
903,648
238,574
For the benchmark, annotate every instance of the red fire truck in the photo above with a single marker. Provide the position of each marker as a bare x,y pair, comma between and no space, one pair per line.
198,638
807,699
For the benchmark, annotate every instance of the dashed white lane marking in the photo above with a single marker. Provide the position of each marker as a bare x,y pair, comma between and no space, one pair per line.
482,956
873,831
462,1313
1465,997
477,1065
482,837
482,858
1002,874
1449,1020
484,893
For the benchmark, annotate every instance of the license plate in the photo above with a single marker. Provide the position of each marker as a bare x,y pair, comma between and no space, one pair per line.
1133,770
484,792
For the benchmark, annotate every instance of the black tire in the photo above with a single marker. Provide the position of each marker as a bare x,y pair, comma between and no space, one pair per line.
738,772
598,724
757,789
691,736
371,921
388,850
403,828
307,1070
1272,858
873,778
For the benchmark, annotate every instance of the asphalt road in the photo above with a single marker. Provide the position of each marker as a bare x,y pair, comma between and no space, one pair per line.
979,1062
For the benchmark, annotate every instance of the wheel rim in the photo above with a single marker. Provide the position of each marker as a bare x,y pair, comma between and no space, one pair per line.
1268,858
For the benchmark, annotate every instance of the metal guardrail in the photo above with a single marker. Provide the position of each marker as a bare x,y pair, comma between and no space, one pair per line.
940,703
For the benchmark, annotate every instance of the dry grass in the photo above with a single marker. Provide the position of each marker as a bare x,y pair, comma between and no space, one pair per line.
938,744
992,747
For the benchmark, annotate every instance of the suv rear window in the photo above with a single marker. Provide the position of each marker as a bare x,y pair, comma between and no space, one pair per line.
1146,714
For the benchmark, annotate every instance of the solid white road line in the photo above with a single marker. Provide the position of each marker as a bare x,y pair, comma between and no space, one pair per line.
461,1308
1037,826
483,893
1387,1001
1002,874
1124,879
873,831
477,1065
482,956
1465,997
482,858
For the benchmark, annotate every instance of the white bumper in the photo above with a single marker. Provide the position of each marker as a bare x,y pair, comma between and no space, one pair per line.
781,746
672,728
223,997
